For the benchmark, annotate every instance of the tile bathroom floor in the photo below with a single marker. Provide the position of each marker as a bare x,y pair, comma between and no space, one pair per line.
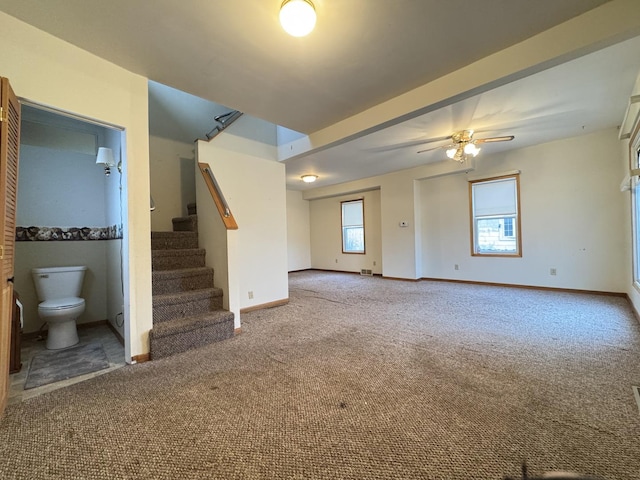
101,333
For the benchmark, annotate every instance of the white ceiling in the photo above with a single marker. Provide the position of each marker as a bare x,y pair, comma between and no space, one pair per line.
578,97
362,53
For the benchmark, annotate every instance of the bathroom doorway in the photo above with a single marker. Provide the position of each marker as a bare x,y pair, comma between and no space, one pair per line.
71,211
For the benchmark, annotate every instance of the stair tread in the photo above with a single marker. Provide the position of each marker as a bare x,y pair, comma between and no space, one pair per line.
186,296
179,240
177,252
191,323
171,233
188,224
182,272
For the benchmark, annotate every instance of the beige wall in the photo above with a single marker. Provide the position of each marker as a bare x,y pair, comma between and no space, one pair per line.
172,174
571,210
573,218
52,72
298,232
253,183
326,234
400,246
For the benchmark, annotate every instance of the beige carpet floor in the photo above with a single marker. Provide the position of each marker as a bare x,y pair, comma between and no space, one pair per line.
360,378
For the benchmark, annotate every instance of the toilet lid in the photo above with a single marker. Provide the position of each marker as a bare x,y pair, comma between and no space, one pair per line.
61,303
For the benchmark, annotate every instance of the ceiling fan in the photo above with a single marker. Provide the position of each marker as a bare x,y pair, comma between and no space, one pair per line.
464,145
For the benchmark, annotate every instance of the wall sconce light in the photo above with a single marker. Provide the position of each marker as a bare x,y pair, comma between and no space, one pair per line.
297,17
309,178
105,157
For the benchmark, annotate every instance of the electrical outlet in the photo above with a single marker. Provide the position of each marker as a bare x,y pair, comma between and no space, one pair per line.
455,267
552,271
336,260
374,263
250,295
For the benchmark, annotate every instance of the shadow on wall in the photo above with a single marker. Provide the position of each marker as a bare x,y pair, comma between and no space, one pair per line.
187,181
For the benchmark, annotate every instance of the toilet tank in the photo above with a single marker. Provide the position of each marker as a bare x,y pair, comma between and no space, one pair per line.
58,282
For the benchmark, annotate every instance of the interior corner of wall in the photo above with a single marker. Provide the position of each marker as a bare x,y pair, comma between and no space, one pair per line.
290,149
234,265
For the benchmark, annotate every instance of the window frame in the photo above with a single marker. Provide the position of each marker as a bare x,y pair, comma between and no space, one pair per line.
634,164
342,228
517,218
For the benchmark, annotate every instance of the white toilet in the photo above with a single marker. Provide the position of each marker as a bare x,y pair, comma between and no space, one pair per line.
59,291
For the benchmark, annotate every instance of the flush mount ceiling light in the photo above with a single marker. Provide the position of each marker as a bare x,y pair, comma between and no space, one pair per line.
297,17
309,178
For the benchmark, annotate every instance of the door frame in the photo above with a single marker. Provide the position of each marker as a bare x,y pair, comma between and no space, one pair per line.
124,255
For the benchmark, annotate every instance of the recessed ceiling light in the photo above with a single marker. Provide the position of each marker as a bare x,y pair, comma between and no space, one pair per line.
297,17
309,178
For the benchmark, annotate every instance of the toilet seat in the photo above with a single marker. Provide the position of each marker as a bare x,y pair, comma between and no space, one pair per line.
60,304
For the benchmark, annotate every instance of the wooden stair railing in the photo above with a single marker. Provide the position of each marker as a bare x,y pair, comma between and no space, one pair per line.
218,197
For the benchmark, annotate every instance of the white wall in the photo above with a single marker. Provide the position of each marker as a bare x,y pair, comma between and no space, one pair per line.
326,234
399,244
60,188
114,287
52,72
571,216
172,173
253,183
398,193
298,232
112,139
114,215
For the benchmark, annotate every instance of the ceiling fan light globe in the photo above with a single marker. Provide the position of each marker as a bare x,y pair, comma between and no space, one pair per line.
451,153
471,149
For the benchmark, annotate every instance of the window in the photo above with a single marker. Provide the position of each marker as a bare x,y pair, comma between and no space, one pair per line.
495,225
353,226
507,228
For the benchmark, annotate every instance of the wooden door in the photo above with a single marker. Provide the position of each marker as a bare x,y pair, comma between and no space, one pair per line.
9,150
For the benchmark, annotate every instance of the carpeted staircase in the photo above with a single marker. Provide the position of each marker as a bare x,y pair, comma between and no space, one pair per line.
187,308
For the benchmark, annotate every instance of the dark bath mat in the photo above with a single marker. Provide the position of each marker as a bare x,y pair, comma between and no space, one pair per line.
55,365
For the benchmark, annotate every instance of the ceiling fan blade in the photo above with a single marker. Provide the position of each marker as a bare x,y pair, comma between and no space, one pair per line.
507,138
437,148
411,143
438,139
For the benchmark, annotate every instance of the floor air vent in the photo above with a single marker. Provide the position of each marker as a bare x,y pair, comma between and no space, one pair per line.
366,272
